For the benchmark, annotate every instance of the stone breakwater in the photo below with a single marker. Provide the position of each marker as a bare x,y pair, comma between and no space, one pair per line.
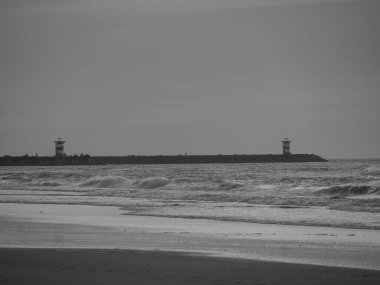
158,159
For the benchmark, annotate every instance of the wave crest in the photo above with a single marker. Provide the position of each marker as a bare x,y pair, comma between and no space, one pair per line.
106,182
158,182
372,170
152,182
122,182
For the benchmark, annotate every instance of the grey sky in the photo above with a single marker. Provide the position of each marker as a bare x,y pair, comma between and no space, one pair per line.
122,77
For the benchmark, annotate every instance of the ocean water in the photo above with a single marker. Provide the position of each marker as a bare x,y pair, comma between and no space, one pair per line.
339,193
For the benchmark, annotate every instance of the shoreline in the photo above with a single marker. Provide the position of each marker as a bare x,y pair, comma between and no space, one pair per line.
56,197
97,266
97,227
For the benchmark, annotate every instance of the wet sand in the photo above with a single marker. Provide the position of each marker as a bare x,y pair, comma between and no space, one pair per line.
77,244
73,266
81,226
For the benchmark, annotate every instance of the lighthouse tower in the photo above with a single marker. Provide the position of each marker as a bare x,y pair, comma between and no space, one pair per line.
59,147
286,146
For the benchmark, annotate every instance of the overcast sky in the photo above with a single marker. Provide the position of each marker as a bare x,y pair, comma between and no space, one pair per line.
121,77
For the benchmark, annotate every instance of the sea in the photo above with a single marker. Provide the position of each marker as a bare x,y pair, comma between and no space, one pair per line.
338,193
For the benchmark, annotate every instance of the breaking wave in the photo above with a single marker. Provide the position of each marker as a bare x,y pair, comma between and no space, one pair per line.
123,182
158,182
349,190
106,182
152,182
372,170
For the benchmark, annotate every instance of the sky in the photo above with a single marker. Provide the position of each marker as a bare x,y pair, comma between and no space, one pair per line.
149,77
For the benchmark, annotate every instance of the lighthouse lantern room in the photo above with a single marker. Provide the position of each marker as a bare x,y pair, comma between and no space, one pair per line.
59,150
286,146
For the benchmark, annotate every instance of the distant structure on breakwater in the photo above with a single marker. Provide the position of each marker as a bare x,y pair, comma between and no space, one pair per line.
59,151
61,158
286,146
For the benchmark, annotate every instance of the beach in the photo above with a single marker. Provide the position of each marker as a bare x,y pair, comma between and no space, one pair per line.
202,224
53,266
44,244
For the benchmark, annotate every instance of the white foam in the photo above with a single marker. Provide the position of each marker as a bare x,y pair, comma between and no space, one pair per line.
372,170
106,182
152,182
